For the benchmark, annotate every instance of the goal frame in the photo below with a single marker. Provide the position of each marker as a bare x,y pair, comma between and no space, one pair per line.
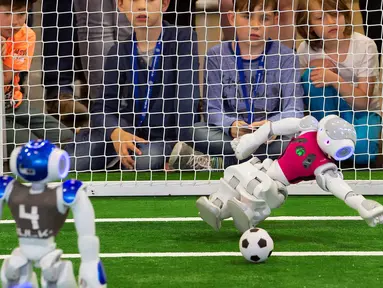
207,187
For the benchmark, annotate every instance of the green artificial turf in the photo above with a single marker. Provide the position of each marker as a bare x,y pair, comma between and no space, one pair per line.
197,236
182,206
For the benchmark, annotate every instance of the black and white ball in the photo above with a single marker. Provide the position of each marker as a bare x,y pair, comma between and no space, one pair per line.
256,245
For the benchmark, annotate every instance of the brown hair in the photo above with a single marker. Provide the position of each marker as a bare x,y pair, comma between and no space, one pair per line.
330,6
249,5
17,4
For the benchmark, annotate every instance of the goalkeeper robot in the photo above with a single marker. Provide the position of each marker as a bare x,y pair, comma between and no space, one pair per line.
39,213
249,191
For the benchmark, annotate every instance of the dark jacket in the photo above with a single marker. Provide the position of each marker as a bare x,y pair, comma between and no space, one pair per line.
174,103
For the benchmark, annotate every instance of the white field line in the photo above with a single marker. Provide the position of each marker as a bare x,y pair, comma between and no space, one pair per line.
225,254
196,219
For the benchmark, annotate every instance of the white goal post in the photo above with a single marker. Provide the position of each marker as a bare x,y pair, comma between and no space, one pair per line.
208,20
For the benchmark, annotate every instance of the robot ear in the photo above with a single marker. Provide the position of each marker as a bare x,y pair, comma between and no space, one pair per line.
58,164
13,160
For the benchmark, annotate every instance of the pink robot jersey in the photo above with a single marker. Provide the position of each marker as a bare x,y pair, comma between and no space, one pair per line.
301,157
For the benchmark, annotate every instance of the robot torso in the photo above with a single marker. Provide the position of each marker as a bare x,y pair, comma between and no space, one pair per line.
301,157
36,215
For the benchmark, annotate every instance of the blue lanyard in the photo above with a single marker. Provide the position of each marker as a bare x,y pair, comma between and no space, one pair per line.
152,76
242,79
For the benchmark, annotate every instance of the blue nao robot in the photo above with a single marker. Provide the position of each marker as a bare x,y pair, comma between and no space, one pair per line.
39,213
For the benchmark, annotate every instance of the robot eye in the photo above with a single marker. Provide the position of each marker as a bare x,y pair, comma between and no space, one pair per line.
327,142
27,171
344,153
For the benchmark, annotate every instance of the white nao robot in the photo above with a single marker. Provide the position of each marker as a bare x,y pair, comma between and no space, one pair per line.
40,212
249,191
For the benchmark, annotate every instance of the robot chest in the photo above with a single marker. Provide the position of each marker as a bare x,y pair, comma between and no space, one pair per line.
300,161
36,217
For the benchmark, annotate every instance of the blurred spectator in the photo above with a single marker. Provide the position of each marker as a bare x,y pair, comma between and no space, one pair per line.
100,25
285,32
18,44
136,123
238,95
334,59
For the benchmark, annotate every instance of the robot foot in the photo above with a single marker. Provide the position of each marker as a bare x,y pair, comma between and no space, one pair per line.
242,215
372,212
209,212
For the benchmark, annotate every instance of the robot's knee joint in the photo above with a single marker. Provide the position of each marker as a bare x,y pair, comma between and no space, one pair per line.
50,265
11,273
14,264
52,273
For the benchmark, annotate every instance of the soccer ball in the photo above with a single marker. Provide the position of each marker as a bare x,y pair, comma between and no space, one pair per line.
256,245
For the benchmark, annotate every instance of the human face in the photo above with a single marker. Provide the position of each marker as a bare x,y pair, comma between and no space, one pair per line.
326,24
11,20
144,13
253,26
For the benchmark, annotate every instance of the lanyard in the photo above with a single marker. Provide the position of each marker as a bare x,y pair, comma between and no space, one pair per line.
152,76
242,79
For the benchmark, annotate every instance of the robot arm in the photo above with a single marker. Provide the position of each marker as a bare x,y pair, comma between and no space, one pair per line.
330,179
91,269
249,143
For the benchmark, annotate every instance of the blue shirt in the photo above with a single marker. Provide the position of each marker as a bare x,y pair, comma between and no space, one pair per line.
279,94
174,104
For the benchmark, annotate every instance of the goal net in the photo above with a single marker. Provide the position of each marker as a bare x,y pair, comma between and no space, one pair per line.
186,87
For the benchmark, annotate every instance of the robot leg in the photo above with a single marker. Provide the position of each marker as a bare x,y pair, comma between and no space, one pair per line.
214,209
258,196
248,211
17,269
56,273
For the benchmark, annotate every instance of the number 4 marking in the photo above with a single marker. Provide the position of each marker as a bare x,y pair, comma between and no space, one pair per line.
33,216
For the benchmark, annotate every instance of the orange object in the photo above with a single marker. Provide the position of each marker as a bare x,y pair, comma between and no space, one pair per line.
19,51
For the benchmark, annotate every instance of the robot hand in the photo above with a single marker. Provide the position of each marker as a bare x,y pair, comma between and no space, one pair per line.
331,180
92,275
372,212
243,146
249,143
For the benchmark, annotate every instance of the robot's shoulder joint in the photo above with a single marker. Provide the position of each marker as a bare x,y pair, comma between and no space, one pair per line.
308,123
4,183
70,189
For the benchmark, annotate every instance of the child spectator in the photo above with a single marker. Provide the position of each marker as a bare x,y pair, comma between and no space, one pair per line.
247,82
284,28
151,94
341,71
17,48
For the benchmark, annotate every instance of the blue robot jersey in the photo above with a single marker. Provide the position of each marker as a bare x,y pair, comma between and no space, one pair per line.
36,215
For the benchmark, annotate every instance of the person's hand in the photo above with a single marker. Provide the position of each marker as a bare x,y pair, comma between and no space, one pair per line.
272,139
3,40
237,129
124,142
323,77
322,63
257,124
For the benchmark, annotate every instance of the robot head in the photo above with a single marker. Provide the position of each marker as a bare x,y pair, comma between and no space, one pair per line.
39,161
336,137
